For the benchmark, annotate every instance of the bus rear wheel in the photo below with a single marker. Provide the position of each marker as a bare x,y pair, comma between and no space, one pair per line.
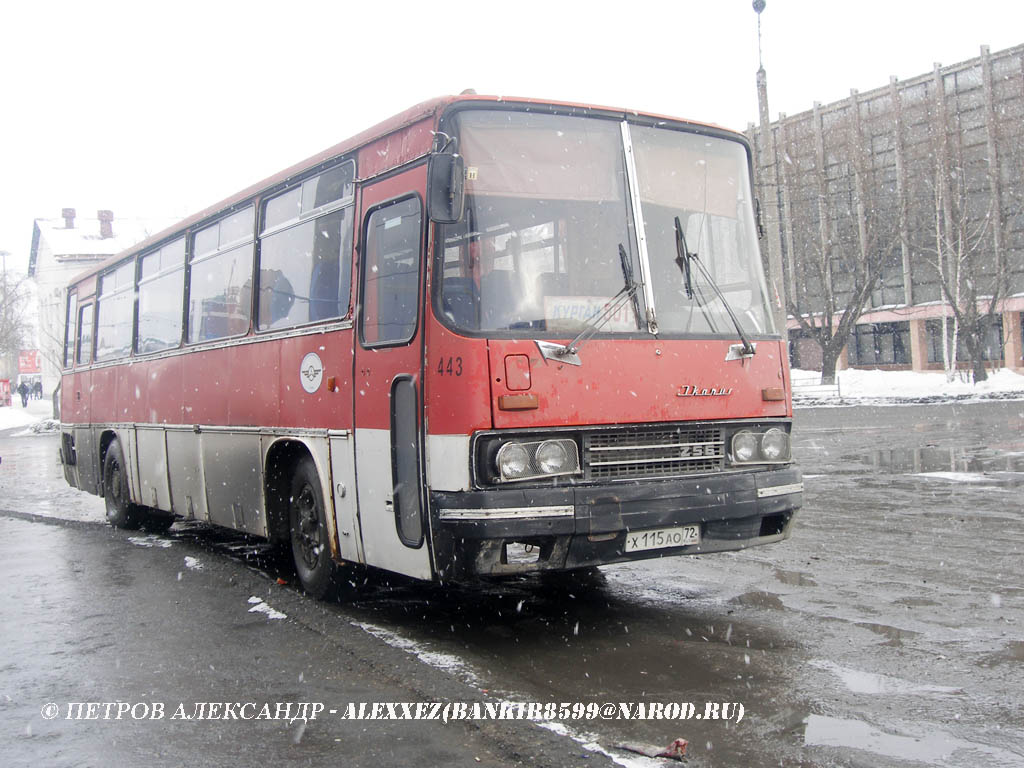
307,523
121,513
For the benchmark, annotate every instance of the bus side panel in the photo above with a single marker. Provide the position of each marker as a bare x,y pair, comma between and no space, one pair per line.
108,405
188,492
252,381
74,386
154,487
233,466
205,379
75,418
298,371
158,387
88,466
343,480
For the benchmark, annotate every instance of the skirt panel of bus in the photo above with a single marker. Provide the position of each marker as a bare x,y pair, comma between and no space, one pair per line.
217,474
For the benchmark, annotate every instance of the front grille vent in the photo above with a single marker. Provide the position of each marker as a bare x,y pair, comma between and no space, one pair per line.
645,452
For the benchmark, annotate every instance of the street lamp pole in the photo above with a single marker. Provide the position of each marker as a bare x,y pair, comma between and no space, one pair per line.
767,174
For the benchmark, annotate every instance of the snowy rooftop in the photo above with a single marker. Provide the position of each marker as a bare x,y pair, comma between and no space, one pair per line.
84,239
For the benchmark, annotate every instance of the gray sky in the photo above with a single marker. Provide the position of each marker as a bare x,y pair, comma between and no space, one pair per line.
161,110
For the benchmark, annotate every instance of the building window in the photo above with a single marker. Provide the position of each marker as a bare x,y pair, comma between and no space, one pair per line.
879,344
992,348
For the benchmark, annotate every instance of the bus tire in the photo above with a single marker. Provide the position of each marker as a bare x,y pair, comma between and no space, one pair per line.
307,523
121,513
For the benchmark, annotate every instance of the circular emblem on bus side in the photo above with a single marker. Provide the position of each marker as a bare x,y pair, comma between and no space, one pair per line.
311,372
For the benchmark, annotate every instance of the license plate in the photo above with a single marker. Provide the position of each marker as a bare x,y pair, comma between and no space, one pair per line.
637,541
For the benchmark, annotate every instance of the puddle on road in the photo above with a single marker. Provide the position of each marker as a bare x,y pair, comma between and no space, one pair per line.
795,578
759,600
916,602
1003,465
895,636
858,681
934,748
1012,654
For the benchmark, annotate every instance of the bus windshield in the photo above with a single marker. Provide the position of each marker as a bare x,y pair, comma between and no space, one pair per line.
549,208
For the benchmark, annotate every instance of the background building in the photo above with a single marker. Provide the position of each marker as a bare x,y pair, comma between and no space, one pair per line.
920,182
61,249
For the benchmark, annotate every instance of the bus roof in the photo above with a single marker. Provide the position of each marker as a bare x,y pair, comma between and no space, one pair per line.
391,125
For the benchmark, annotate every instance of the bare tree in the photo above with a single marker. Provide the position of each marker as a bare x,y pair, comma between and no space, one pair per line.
14,296
861,270
837,273
971,281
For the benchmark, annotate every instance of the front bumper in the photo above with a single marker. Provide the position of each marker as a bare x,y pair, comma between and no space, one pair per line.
569,527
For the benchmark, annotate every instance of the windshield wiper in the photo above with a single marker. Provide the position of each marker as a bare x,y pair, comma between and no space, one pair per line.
567,353
683,259
627,274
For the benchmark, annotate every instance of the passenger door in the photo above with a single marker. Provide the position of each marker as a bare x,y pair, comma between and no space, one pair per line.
387,380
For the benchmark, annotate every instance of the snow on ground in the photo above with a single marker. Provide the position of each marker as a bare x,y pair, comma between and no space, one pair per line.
16,416
875,387
260,606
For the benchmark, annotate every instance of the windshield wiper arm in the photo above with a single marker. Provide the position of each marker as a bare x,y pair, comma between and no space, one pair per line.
683,259
627,274
567,353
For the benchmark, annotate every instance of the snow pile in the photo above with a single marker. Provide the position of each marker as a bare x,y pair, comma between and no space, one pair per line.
14,416
860,387
41,427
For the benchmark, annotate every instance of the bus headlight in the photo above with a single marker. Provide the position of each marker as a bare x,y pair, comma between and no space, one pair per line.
775,445
536,459
513,461
744,447
761,445
552,457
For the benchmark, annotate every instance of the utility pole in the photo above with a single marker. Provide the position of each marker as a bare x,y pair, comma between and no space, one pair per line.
768,174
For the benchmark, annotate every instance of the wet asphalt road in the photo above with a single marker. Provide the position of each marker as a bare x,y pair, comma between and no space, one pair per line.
888,631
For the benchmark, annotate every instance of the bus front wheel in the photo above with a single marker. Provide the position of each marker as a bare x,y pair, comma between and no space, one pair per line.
121,513
307,523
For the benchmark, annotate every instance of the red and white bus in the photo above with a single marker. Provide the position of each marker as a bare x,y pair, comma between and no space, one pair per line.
488,336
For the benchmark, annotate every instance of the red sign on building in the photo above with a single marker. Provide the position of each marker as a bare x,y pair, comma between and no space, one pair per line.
28,361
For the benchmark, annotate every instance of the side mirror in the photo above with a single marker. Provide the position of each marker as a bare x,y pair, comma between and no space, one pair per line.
446,176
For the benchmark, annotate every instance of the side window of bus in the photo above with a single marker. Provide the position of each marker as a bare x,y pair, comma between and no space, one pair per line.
114,310
220,286
71,330
306,251
161,293
84,335
391,273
